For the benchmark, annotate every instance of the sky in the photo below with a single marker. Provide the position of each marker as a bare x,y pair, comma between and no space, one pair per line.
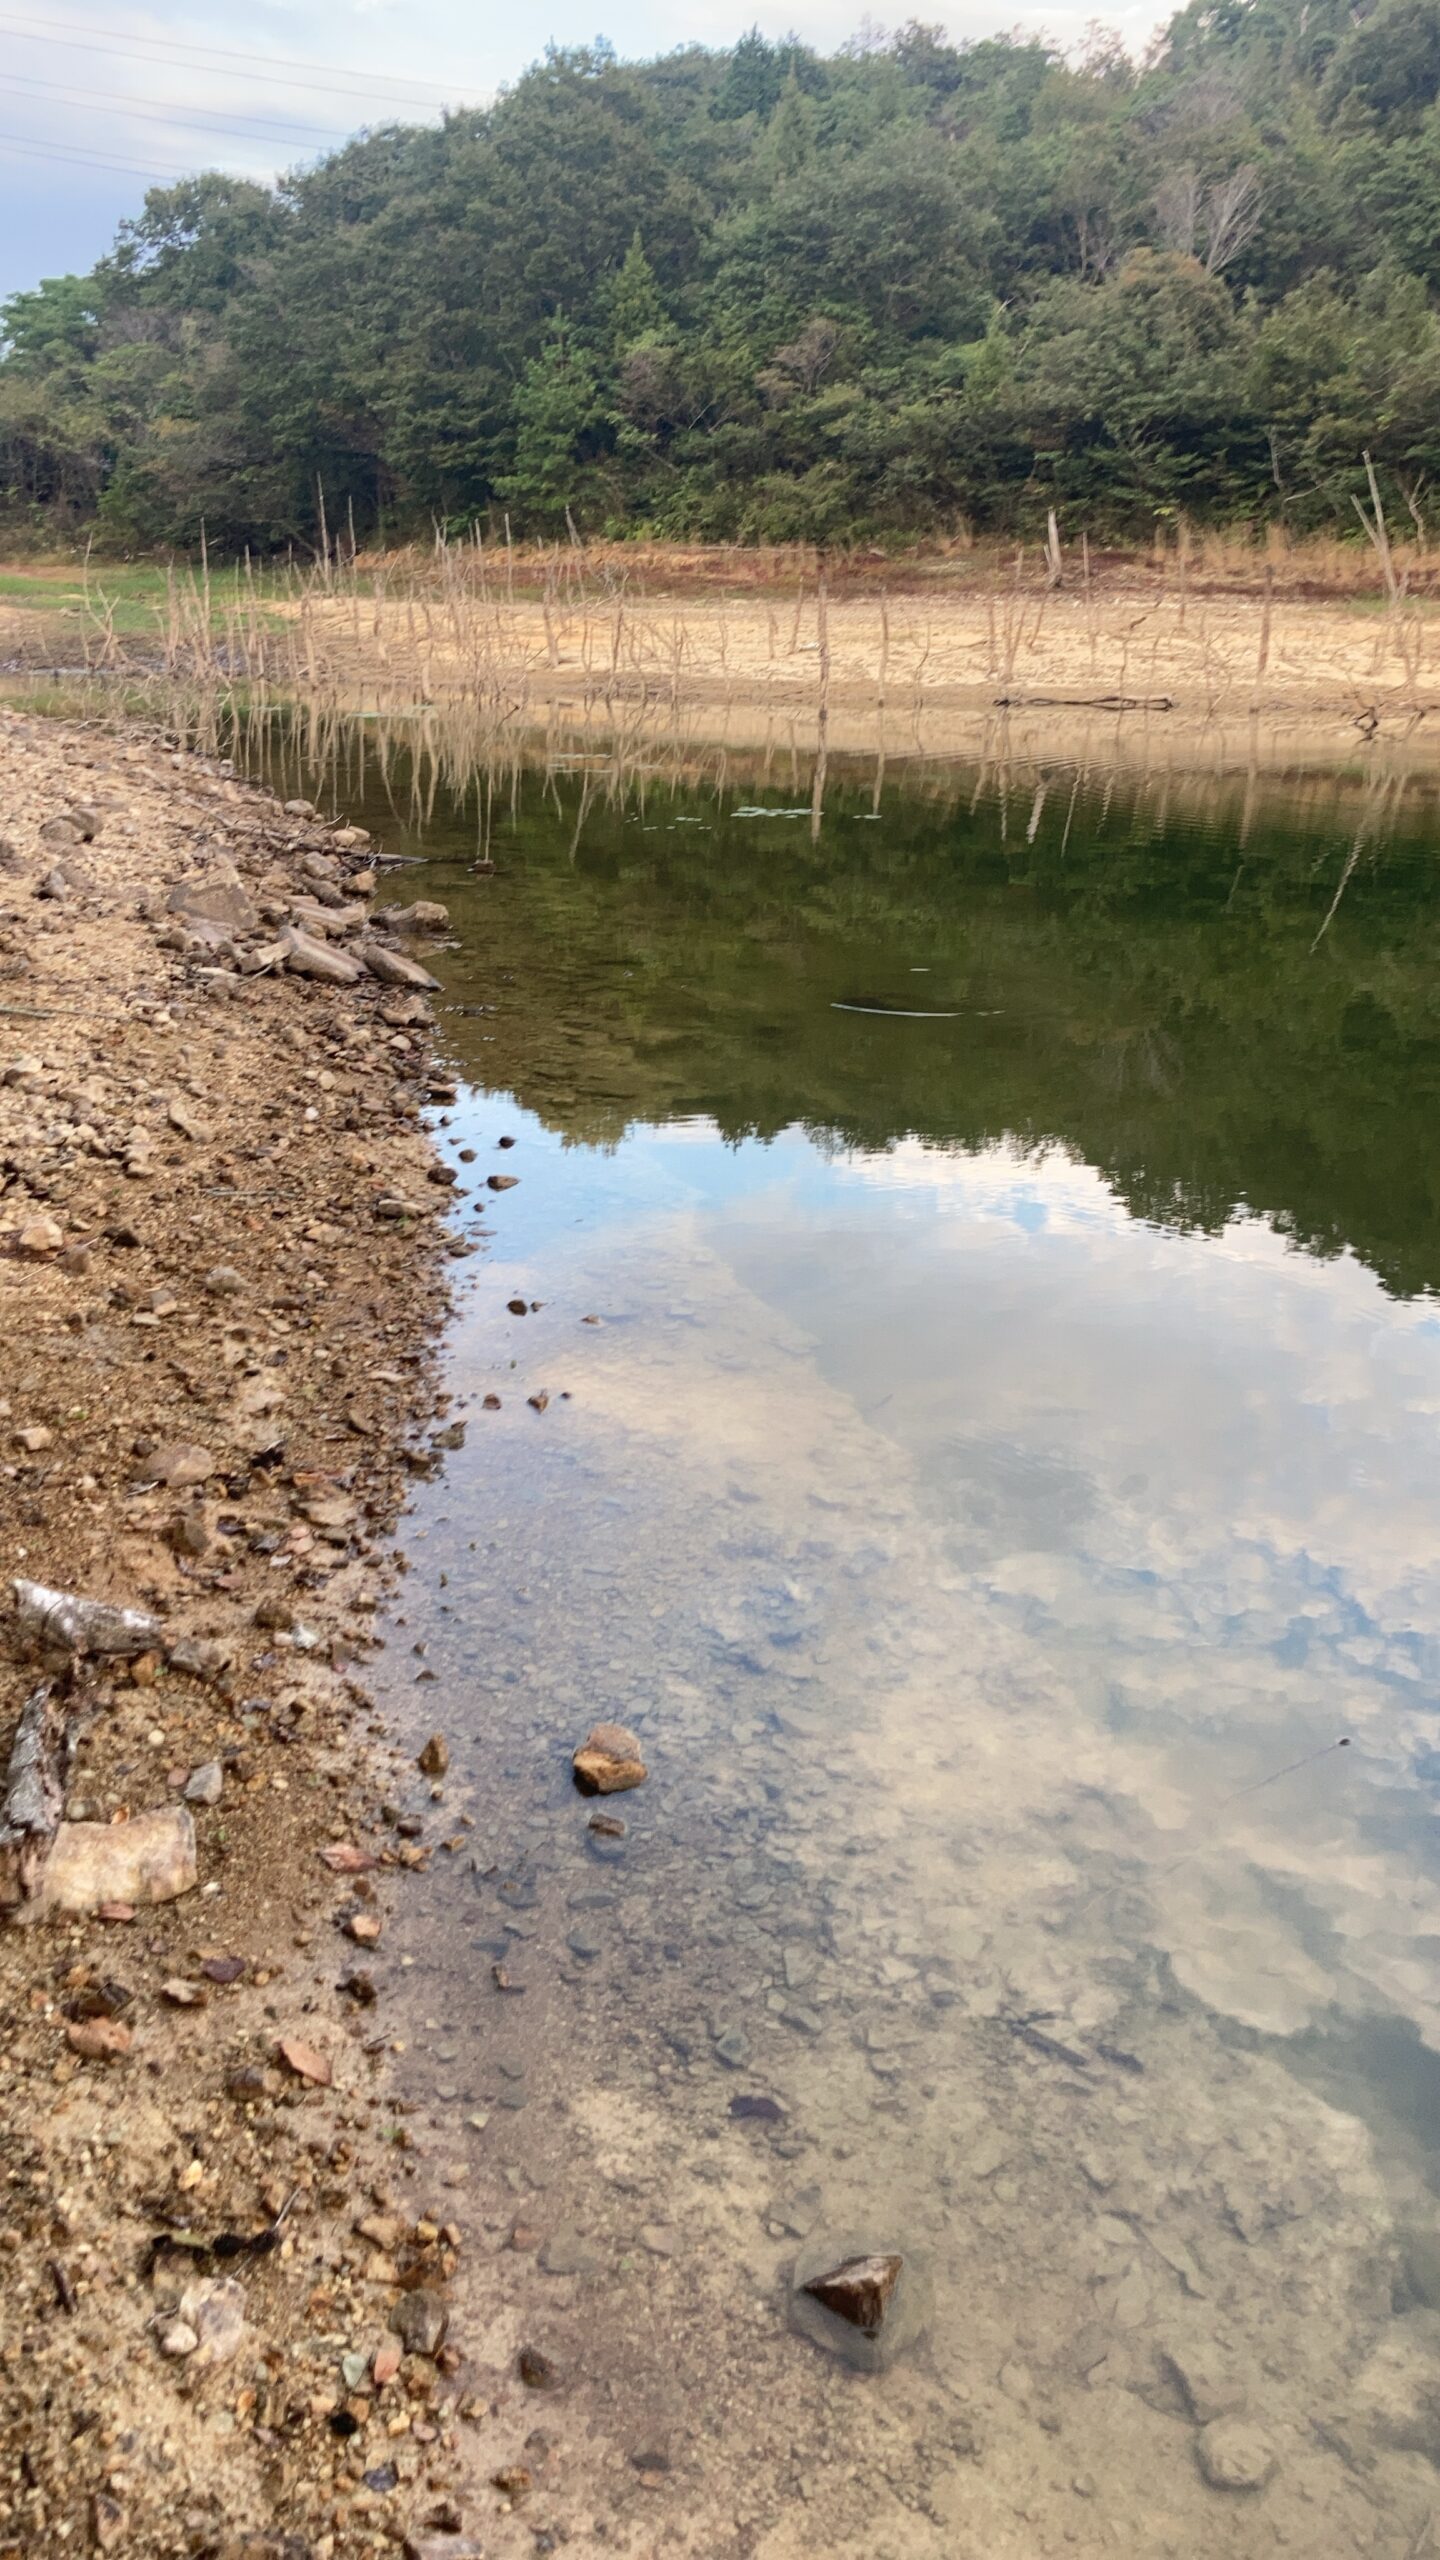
100,99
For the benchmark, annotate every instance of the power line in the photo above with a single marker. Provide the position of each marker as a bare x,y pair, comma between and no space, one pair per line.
191,119
207,58
66,158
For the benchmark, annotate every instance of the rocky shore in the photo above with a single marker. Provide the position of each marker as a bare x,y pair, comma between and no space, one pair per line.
223,2290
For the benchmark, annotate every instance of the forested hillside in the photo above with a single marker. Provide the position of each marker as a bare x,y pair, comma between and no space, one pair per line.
768,295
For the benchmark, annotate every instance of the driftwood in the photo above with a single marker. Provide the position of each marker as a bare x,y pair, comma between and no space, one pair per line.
34,1792
46,1863
61,1622
61,1626
1083,702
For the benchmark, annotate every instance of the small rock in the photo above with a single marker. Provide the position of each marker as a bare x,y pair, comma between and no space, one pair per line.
859,2295
33,1438
214,2308
424,915
40,1236
178,1463
860,2289
179,2339
565,2254
365,1928
305,2061
732,2048
223,1281
180,1994
1203,2385
420,2320
107,2521
183,1117
1235,2454
217,897
98,2039
434,1760
185,1534
205,1784
502,1181
608,1761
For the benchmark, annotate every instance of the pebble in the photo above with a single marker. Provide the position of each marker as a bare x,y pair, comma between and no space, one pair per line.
420,2320
1233,2453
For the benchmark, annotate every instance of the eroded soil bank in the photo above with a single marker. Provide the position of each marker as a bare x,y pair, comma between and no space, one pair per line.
222,1265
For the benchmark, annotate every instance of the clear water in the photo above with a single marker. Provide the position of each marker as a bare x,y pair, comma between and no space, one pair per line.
1003,1469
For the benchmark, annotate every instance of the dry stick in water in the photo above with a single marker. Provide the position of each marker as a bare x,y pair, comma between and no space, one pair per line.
822,721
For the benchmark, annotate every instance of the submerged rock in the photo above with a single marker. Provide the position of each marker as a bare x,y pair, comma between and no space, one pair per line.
860,2290
858,2294
1234,2454
608,1761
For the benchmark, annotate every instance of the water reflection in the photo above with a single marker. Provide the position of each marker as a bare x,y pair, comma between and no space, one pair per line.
1004,1450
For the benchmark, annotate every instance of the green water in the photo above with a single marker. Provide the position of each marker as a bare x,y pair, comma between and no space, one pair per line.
1003,1470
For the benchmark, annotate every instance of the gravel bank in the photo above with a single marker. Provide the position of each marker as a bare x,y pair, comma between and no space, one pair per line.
221,1257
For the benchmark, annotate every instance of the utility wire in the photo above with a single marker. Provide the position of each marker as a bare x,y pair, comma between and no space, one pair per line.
146,48
67,158
191,119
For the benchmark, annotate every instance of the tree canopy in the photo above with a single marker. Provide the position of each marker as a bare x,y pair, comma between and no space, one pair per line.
768,294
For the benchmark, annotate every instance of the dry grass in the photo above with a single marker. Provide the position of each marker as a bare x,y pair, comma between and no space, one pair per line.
1208,643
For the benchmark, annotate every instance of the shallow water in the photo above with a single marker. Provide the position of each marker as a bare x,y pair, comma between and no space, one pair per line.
1001,1472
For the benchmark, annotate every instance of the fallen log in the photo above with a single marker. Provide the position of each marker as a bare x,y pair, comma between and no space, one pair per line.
62,1622
62,1626
34,1792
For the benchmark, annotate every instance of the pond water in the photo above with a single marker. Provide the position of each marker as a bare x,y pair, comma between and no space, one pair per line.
980,1259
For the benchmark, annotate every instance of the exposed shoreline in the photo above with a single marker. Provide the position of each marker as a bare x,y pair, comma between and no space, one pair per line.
1116,674
220,1234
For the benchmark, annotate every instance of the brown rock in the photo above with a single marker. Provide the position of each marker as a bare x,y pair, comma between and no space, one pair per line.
305,2061
344,1859
435,1758
179,1463
424,915
420,2320
502,1181
98,2039
180,1994
182,1116
186,1534
1234,2454
40,1236
384,2231
304,957
860,2290
217,896
364,1928
393,968
95,1865
608,1761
